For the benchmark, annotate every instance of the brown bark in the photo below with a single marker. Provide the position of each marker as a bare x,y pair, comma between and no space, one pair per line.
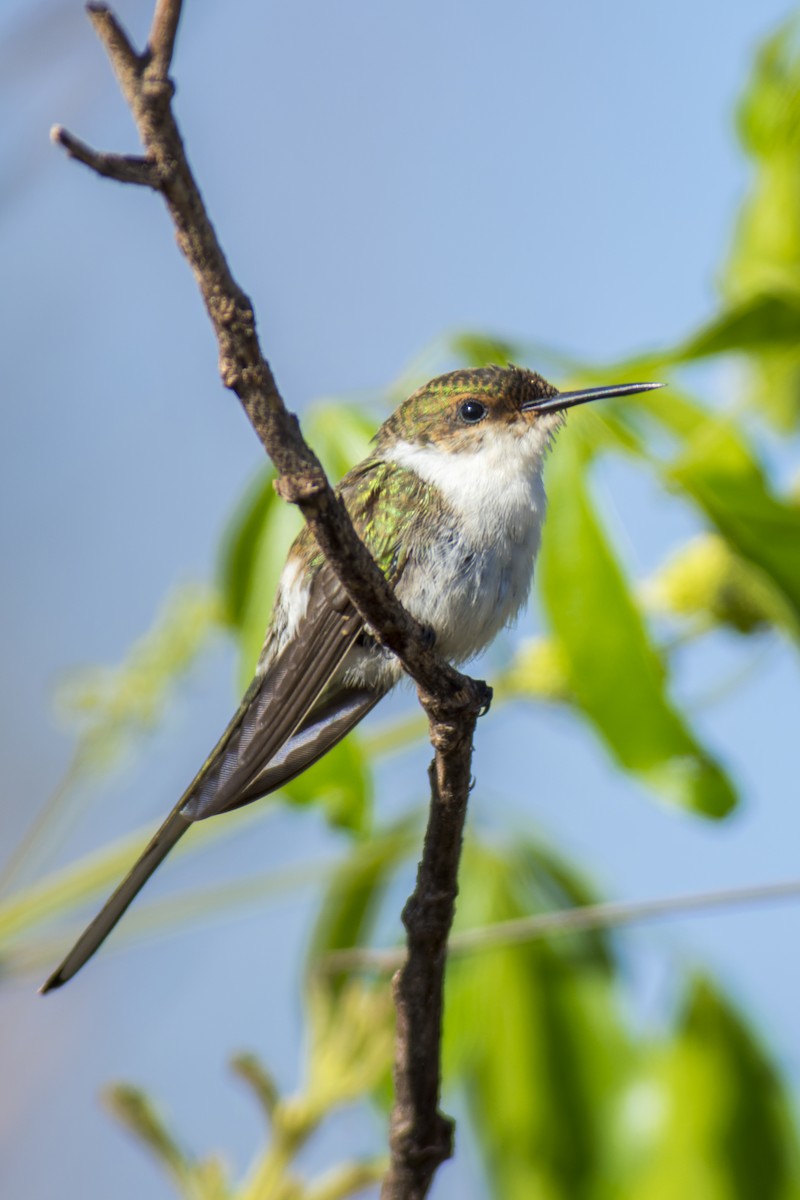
421,1137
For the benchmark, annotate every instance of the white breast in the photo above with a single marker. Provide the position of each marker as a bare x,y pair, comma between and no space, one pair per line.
477,575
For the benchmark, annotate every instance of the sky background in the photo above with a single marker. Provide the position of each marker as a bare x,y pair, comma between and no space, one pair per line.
378,175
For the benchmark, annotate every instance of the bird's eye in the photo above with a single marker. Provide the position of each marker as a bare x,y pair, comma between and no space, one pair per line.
472,411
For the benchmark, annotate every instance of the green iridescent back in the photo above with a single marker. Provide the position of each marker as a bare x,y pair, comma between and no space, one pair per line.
388,505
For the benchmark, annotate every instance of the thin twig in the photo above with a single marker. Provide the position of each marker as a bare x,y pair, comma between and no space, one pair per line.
421,1138
161,43
125,168
568,920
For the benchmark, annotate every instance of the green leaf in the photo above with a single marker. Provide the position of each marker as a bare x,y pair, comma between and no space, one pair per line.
615,673
340,435
705,583
237,552
481,350
545,881
60,897
708,1115
257,540
112,708
718,471
760,322
765,255
767,240
340,784
195,1179
530,1033
252,555
352,902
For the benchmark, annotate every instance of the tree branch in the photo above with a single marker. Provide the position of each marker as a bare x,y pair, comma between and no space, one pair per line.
125,168
163,31
420,1137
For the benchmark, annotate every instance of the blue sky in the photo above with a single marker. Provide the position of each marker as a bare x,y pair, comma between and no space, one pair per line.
378,174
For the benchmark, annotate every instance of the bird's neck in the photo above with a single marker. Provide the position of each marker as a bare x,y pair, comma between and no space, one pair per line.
495,491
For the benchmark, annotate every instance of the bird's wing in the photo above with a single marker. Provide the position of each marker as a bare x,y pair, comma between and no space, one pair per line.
276,705
323,728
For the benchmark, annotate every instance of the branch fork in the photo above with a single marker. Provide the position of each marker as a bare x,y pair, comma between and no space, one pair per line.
420,1136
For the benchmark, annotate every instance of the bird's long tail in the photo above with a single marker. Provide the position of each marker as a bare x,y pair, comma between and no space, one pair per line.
275,734
159,847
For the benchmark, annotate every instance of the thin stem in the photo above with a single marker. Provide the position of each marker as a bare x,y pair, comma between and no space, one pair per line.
572,920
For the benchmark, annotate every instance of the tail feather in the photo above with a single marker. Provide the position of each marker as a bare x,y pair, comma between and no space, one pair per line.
95,934
276,704
323,729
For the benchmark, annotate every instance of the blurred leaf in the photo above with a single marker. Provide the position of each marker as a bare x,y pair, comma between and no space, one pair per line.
257,541
136,1112
531,1033
351,904
706,581
481,350
538,671
718,471
340,434
765,255
352,1039
238,546
340,784
194,1179
261,1083
474,348
252,555
349,1179
614,671
61,897
546,882
763,321
112,707
768,234
708,1116
67,889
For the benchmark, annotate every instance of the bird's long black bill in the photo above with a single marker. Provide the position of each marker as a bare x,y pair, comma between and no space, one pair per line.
550,404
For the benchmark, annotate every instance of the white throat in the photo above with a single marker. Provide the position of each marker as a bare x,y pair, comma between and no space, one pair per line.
496,489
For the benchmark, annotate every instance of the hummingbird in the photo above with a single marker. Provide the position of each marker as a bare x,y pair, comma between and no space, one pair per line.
450,503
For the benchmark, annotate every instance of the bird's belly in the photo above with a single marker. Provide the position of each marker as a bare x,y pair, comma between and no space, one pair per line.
464,593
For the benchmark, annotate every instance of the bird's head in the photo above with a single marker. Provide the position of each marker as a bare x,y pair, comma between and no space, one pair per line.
489,407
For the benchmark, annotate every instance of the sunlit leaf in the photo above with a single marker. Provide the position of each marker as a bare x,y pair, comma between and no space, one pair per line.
768,233
760,322
766,249
256,543
352,902
718,471
340,783
705,581
252,555
112,707
137,1112
614,670
707,1114
238,546
59,898
340,434
481,350
530,1033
